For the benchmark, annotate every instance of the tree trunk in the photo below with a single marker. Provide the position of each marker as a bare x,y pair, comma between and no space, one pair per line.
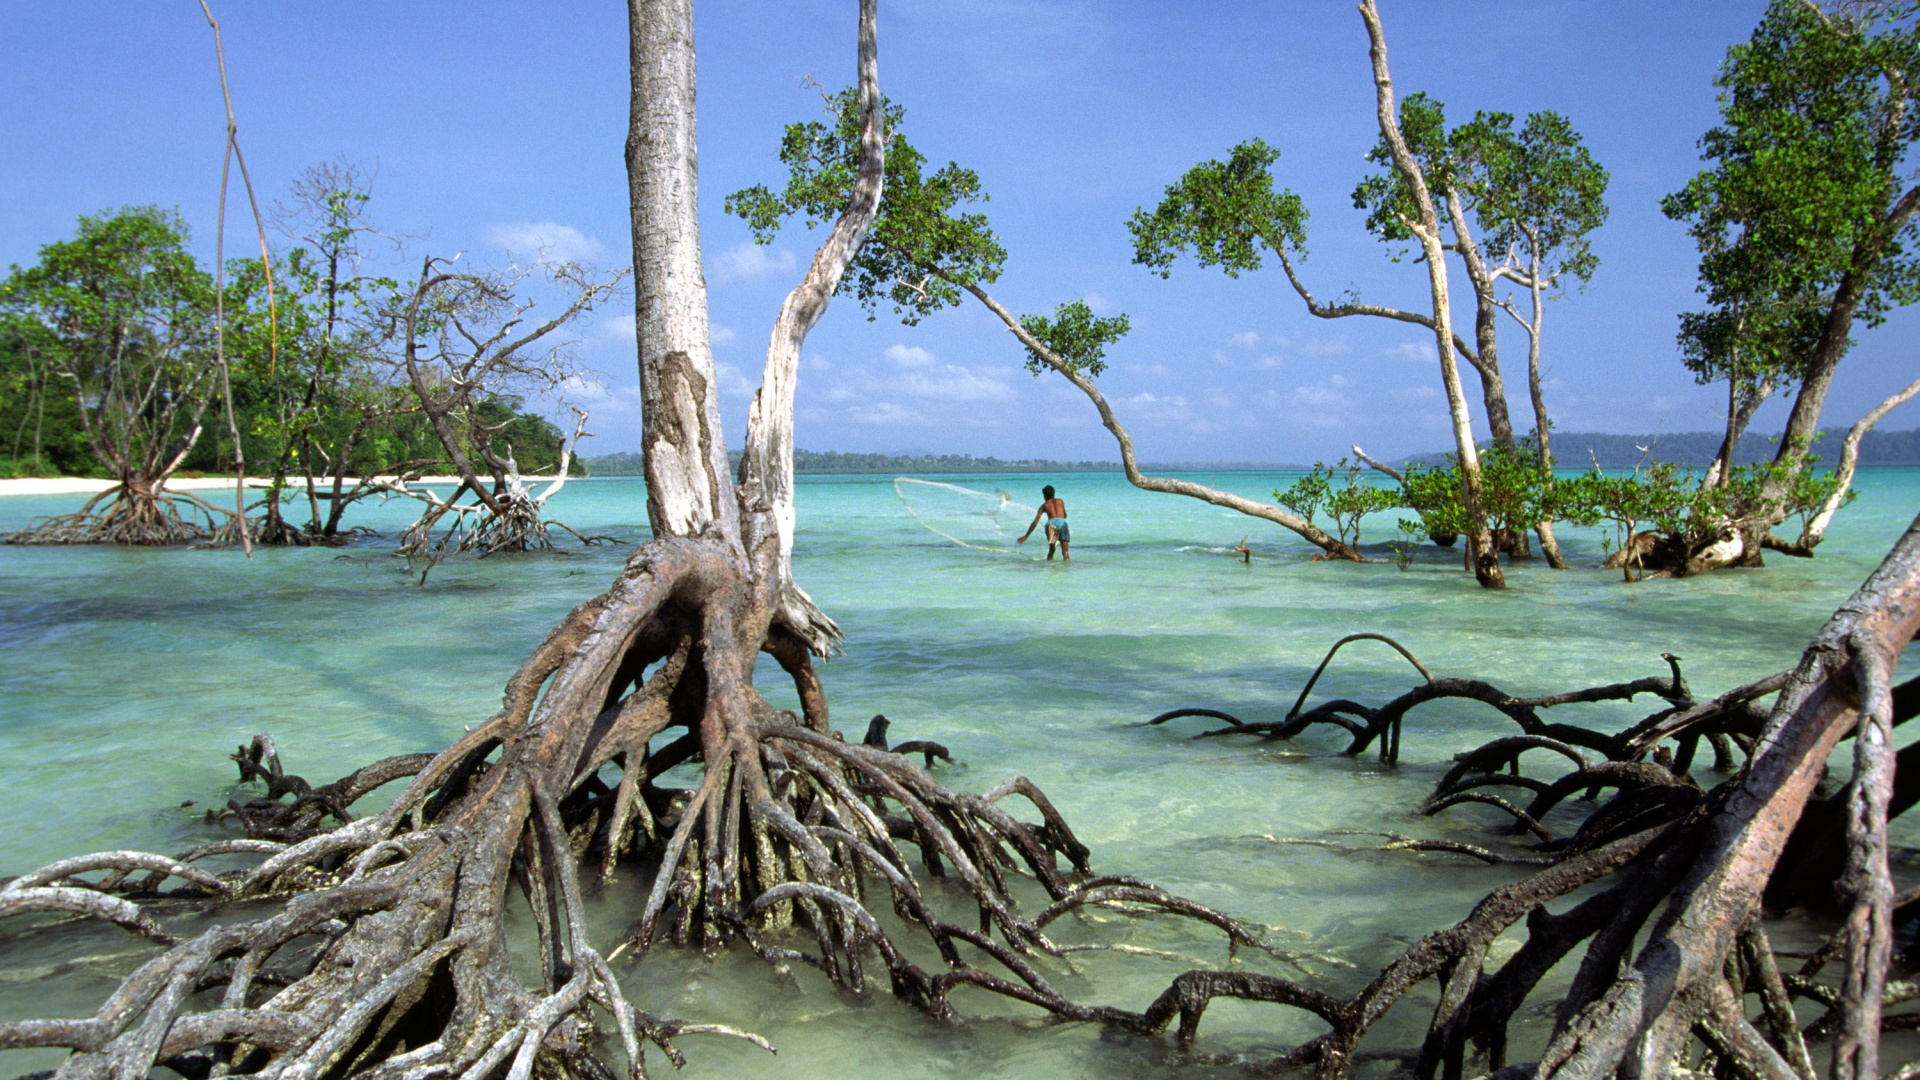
1740,410
1493,389
1803,423
766,466
1542,426
689,492
1486,563
1639,1019
1816,526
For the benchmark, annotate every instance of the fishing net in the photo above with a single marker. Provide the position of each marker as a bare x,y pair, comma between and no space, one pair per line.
973,519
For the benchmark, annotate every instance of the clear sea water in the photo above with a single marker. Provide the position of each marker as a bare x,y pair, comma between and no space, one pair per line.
129,676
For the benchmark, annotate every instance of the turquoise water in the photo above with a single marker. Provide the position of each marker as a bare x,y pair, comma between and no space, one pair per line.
130,675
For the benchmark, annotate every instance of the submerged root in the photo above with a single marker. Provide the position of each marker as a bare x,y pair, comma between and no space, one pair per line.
386,955
1675,944
514,523
134,514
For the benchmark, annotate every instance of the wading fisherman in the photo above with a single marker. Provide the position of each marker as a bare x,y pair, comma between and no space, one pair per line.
1055,511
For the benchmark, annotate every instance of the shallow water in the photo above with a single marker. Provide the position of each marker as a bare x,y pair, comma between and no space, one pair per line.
130,675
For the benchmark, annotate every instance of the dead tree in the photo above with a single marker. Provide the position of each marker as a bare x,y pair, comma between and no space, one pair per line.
463,343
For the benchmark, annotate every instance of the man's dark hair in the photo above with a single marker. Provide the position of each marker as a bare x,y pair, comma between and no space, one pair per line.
1047,491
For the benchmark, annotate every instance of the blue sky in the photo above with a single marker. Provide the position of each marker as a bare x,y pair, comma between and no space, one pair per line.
490,126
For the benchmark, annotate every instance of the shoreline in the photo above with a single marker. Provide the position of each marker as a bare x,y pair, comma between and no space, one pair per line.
84,485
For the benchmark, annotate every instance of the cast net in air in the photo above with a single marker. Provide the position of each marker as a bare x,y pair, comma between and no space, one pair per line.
973,519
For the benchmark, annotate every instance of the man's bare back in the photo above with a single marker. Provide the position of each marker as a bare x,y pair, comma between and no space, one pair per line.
1054,509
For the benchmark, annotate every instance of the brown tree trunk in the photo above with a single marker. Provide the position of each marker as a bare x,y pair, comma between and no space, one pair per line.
1803,423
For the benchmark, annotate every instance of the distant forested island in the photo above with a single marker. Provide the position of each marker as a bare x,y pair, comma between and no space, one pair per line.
1573,450
1578,449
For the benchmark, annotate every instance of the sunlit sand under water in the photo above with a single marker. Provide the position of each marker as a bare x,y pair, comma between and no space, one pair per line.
130,675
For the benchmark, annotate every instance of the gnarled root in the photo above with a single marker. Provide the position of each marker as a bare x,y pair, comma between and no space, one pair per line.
1675,942
516,526
135,514
387,956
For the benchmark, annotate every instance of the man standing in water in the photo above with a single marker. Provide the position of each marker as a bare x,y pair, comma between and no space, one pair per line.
1055,511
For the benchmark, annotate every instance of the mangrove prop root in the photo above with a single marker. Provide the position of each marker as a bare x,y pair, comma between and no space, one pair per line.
383,948
135,513
1690,866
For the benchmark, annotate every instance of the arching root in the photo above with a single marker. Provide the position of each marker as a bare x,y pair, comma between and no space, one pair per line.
385,952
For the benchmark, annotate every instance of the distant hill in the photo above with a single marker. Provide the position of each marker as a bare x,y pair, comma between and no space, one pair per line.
808,461
1579,449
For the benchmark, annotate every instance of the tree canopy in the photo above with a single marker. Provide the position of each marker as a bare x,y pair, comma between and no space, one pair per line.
1803,216
923,247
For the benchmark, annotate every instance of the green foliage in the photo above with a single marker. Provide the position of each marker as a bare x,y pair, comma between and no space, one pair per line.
1224,214
1516,494
1339,493
534,441
1817,125
1385,196
107,355
40,428
1675,503
1536,192
921,250
1076,335
111,330
922,253
1539,191
1408,542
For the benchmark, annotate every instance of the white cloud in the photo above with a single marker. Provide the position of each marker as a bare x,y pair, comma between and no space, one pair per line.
721,335
1322,404
1246,339
1419,352
1015,42
584,388
1157,409
909,356
547,241
1097,303
590,391
732,380
951,383
749,261
882,413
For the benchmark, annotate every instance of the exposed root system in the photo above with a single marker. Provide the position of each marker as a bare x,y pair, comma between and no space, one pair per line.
133,513
386,953
1678,971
